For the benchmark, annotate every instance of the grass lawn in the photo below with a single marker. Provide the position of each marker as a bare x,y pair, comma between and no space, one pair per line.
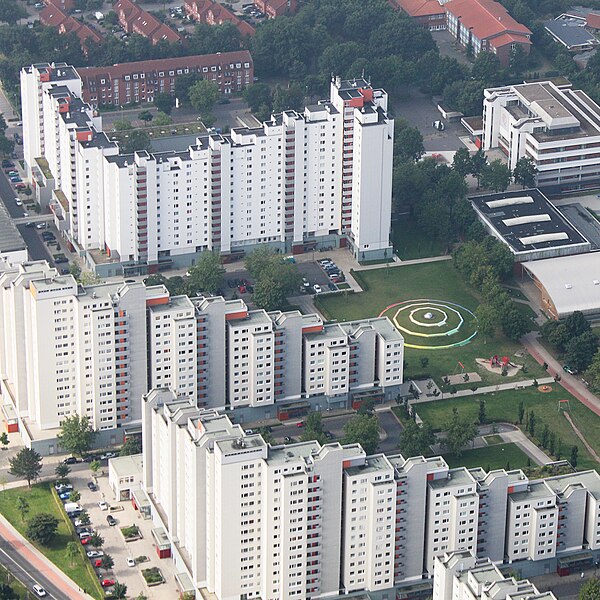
434,281
503,406
499,456
493,439
40,499
411,242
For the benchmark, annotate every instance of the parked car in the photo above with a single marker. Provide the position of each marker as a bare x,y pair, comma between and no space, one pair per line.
40,226
103,505
37,588
7,163
287,439
332,287
64,495
111,520
242,289
300,424
85,540
63,487
25,213
18,202
61,259
98,562
107,582
20,187
570,370
85,532
70,461
93,487
95,553
317,288
130,562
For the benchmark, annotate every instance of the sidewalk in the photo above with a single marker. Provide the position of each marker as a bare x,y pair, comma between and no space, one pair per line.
34,557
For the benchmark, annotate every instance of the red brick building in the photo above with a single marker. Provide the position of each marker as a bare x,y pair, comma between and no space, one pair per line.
276,8
429,14
133,19
486,26
54,17
64,5
122,84
213,13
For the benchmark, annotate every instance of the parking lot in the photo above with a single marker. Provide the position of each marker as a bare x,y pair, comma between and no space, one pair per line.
114,542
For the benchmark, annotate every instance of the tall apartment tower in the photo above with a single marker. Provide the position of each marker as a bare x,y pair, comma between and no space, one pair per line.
320,177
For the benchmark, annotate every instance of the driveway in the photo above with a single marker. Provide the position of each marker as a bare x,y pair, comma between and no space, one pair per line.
448,46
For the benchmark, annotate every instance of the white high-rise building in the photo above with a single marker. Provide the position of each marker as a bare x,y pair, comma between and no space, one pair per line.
300,180
244,518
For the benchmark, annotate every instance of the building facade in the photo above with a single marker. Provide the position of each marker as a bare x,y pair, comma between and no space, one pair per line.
134,19
244,518
555,126
300,180
214,13
140,81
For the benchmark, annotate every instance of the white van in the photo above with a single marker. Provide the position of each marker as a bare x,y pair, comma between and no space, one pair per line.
72,507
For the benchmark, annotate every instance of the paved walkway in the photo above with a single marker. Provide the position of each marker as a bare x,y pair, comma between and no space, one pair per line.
571,383
516,436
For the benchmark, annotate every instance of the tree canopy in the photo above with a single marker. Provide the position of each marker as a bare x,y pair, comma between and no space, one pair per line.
76,434
26,464
42,528
458,433
416,440
207,274
363,430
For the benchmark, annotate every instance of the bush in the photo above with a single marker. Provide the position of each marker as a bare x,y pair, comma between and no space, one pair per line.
42,528
152,575
130,532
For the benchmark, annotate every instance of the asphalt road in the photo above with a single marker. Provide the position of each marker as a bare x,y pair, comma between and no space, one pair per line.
35,246
26,573
8,194
387,423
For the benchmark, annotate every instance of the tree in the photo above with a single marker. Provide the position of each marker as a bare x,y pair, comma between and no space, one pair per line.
367,407
590,590
107,562
313,428
72,552
203,95
531,423
487,320
7,593
478,163
95,466
84,517
269,295
119,591
96,540
74,496
42,528
363,430
22,505
122,125
207,274
76,434
459,432
524,172
4,440
138,140
408,141
579,351
161,119
164,102
146,116
521,412
62,470
461,162
27,464
574,456
545,435
496,176
415,440
482,415
592,374
11,11
131,445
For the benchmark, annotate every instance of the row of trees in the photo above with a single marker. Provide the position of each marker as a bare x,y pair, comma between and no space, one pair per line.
574,339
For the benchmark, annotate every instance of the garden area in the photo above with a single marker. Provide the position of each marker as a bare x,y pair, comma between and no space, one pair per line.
437,282
40,500
503,406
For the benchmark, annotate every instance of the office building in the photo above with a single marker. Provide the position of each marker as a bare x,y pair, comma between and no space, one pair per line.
300,180
557,127
243,517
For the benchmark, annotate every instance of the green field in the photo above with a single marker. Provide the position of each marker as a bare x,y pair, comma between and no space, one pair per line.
411,242
503,406
500,456
40,499
432,281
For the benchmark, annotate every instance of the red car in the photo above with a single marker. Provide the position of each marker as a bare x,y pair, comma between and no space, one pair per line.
86,540
300,424
107,582
98,562
242,289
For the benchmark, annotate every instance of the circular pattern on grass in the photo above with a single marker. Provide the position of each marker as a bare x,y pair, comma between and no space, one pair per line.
432,324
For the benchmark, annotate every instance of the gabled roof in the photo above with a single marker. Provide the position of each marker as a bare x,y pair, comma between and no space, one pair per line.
52,16
508,38
486,18
419,8
593,20
128,8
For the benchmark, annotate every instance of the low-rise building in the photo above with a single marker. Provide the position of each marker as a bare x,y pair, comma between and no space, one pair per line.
213,13
429,14
276,8
125,476
64,5
486,26
134,19
13,249
557,127
52,16
571,32
140,81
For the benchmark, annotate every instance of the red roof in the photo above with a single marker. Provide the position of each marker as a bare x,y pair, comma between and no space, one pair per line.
508,38
214,13
419,8
52,16
128,8
486,18
593,20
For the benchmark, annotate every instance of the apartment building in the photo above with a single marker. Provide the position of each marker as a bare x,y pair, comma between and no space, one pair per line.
124,83
214,13
305,520
557,127
220,354
134,19
460,575
54,15
72,349
300,180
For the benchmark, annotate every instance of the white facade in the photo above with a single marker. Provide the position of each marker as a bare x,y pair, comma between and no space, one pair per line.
300,179
306,521
69,349
557,127
460,575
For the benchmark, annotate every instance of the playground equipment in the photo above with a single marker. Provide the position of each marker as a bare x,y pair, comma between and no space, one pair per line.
496,361
564,405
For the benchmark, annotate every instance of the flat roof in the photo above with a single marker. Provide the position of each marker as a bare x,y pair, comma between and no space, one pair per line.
570,32
572,282
525,220
127,466
11,239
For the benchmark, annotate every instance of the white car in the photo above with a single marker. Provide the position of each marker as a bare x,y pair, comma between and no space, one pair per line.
39,590
318,289
95,553
25,213
18,202
41,226
103,505
130,562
